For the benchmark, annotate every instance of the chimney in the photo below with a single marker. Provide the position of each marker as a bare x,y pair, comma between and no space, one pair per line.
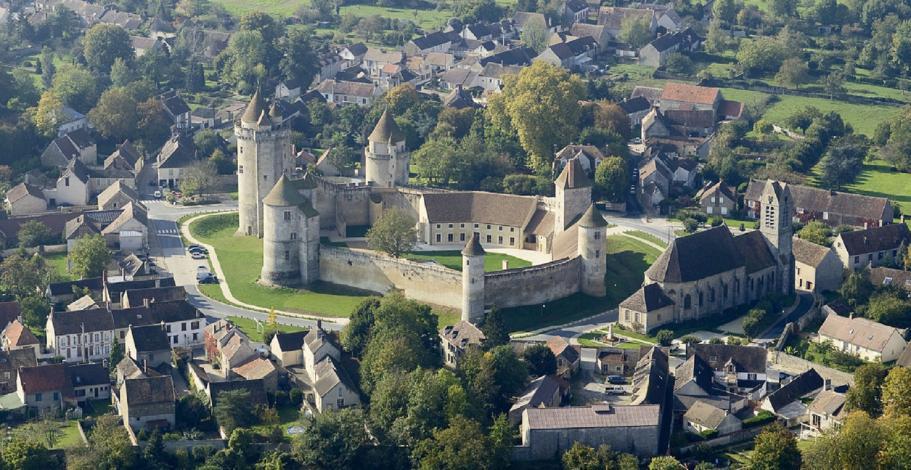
319,324
827,385
145,302
145,366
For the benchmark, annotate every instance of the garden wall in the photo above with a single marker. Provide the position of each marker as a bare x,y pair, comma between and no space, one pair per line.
368,270
533,285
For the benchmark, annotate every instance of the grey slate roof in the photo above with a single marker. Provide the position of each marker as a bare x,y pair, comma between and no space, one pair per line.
647,298
254,108
808,252
291,341
705,414
755,251
595,416
479,207
149,390
93,373
328,375
149,338
284,194
592,218
684,259
635,105
887,237
463,334
573,176
801,386
82,321
386,130
745,358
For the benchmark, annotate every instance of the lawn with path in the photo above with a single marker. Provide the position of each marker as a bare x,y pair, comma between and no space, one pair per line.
241,259
452,259
57,264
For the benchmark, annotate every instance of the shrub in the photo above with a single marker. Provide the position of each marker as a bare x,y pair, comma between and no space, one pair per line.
709,433
716,221
665,337
762,417
690,339
690,225
296,397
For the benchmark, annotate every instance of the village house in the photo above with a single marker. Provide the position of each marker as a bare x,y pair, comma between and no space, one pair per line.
176,155
352,55
656,53
43,388
176,109
375,59
716,369
613,18
651,378
148,345
16,336
71,120
881,276
832,208
718,199
125,157
616,361
25,199
345,92
816,268
543,392
10,362
437,41
551,431
877,246
77,144
826,411
117,196
569,357
89,381
143,297
521,20
458,339
866,339
703,417
635,109
589,157
787,403
147,402
573,55
459,99
85,335
574,11
86,302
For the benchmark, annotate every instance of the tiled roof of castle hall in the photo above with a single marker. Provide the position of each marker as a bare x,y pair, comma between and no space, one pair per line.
684,260
480,207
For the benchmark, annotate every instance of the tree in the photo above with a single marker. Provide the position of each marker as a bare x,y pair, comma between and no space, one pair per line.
494,377
495,329
334,439
793,72
233,410
528,104
49,114
895,450
783,8
897,150
889,307
535,35
716,38
122,73
35,233
856,289
89,257
116,356
540,360
115,115
635,30
775,448
582,457
104,43
199,178
664,337
816,232
75,86
35,309
844,160
612,179
47,66
299,62
356,333
760,55
23,452
110,445
896,392
46,430
242,62
665,462
866,394
461,446
22,275
153,123
835,84
393,233
725,10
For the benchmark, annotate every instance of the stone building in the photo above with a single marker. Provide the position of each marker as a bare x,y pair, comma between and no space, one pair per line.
693,284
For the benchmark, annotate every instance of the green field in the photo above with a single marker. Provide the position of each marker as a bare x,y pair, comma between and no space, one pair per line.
627,260
250,328
646,236
241,260
57,263
878,179
427,19
863,118
452,259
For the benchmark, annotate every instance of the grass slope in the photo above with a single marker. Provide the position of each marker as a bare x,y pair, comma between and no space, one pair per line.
627,260
241,259
452,259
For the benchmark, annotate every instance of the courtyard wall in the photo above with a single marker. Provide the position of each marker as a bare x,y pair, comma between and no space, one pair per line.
534,284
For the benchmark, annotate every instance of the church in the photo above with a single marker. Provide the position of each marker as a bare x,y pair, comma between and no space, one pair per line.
708,272
289,214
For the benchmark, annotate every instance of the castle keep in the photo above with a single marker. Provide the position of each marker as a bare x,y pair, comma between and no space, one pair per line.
289,214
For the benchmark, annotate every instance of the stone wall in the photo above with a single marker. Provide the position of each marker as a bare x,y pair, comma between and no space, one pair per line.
532,285
424,282
349,201
544,444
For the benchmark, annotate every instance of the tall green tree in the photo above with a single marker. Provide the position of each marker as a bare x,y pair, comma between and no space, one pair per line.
635,30
896,392
775,448
356,333
793,73
334,439
115,115
233,409
393,233
461,446
299,62
90,256
866,394
103,44
34,233
612,179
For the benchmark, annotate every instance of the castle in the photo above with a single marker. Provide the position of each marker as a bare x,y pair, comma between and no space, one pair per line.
289,214
708,272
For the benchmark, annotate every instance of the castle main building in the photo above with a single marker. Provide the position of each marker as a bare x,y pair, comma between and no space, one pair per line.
289,214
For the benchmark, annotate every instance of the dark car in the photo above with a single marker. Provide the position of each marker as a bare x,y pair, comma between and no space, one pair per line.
616,379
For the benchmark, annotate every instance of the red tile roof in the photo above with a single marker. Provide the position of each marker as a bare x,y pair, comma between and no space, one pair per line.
674,91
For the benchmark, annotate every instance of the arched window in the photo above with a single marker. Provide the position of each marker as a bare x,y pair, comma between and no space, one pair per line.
687,301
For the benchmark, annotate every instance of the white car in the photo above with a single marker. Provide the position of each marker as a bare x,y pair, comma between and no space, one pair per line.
157,194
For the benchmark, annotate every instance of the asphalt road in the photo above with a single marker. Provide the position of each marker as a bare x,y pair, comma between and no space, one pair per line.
805,303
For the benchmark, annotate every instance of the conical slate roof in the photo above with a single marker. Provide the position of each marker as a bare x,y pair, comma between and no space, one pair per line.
274,111
307,182
592,218
386,130
473,247
284,194
254,109
573,176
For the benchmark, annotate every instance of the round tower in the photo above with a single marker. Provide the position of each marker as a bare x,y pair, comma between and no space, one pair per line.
387,160
263,155
473,280
593,251
282,235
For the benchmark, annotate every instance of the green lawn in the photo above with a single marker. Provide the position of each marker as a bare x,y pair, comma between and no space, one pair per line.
878,179
249,327
70,437
452,259
241,260
272,7
734,224
646,236
591,339
863,118
427,19
627,260
57,263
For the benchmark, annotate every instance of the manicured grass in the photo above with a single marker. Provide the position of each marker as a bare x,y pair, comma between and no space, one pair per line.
249,327
241,260
57,263
878,179
627,260
426,19
273,7
646,236
452,259
734,224
863,118
591,340
70,437
287,415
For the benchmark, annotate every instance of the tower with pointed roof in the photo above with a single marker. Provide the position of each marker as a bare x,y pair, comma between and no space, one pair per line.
473,280
593,252
263,156
572,195
290,235
387,159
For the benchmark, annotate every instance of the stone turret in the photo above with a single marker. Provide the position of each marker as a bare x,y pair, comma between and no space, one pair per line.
290,222
593,251
573,194
473,280
387,159
263,155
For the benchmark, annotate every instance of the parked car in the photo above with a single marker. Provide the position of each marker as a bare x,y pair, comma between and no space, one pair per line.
197,255
157,194
614,390
616,379
195,247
